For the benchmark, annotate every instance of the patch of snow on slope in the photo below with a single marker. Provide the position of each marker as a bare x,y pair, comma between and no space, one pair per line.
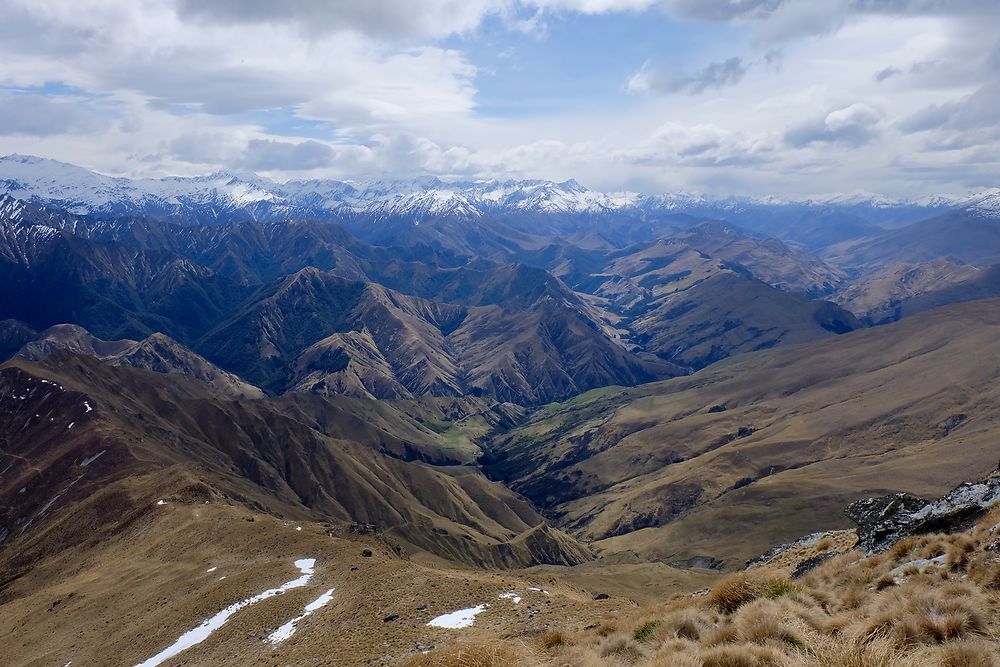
90,459
288,629
463,618
207,627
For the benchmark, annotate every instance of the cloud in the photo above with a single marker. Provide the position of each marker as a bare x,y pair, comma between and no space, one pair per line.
702,145
971,112
887,73
383,19
722,10
854,125
38,116
593,6
271,155
779,20
668,79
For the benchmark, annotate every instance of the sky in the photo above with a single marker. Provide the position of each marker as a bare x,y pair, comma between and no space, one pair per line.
791,98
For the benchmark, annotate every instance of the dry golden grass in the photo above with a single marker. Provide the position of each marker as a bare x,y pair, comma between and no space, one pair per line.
476,654
888,610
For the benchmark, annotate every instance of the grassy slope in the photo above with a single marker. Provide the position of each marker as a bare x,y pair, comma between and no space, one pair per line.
654,470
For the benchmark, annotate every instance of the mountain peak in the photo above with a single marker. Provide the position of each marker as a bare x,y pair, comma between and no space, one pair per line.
239,195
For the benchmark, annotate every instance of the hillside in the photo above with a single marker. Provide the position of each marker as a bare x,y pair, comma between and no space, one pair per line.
158,353
269,455
899,290
765,445
927,601
964,237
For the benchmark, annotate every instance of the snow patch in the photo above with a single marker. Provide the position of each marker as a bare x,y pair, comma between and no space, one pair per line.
463,618
87,405
212,569
288,629
207,627
90,459
513,597
160,502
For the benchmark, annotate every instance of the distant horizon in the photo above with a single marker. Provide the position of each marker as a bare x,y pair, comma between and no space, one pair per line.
363,180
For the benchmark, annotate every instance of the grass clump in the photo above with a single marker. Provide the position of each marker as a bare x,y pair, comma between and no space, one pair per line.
646,631
553,639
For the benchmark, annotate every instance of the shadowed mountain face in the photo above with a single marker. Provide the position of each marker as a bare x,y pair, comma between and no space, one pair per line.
964,237
103,423
158,353
307,307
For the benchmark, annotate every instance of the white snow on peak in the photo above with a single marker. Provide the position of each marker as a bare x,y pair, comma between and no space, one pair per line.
984,204
78,190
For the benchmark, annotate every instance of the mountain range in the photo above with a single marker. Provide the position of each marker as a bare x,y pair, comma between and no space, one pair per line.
455,394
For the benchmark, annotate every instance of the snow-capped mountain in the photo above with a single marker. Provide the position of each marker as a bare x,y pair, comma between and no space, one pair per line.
984,204
227,196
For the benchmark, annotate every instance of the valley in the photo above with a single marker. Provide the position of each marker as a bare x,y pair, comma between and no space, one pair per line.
528,405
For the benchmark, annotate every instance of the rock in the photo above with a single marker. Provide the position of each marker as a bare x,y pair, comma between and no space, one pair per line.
802,542
812,563
367,553
390,618
884,520
602,596
951,422
422,607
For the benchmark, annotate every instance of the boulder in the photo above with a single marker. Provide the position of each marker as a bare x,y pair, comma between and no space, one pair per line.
884,520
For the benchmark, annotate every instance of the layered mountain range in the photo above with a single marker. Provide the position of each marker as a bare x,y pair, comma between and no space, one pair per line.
604,388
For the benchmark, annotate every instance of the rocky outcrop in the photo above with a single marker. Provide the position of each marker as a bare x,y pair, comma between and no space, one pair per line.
884,520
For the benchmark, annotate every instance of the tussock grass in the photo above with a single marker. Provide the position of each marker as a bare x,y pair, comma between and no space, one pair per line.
893,609
476,654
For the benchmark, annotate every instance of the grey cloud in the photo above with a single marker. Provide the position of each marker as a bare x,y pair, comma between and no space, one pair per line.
927,118
671,79
37,116
220,90
786,19
378,18
855,125
887,73
739,10
974,111
201,147
774,59
722,10
270,155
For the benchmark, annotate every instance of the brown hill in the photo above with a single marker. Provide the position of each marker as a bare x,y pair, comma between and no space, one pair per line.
766,445
959,236
900,290
523,338
259,453
158,353
768,259
728,313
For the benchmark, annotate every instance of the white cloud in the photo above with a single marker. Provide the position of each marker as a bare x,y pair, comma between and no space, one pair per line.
671,78
854,125
341,88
